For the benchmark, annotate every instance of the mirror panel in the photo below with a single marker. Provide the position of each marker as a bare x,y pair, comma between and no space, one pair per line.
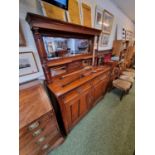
57,47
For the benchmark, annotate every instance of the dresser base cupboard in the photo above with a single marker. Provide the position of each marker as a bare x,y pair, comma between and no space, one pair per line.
76,98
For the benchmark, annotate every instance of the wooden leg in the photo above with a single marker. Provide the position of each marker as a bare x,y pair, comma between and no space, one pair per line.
127,92
131,86
122,94
110,87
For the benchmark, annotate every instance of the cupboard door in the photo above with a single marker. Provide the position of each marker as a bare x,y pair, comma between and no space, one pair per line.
83,104
86,101
99,89
104,86
90,98
72,110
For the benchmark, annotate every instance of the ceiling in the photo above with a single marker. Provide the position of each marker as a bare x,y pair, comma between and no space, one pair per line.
127,7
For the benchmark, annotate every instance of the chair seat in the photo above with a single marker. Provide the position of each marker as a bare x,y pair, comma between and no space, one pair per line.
122,84
128,73
127,78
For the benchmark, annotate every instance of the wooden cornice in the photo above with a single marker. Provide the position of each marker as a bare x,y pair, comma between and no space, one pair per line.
44,23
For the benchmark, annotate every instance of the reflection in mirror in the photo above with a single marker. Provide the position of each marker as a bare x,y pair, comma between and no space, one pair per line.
65,47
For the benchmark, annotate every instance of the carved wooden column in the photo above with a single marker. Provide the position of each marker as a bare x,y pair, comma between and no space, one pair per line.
93,59
42,53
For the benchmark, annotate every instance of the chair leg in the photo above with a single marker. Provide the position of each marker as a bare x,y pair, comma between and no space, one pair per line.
122,94
127,92
131,86
110,87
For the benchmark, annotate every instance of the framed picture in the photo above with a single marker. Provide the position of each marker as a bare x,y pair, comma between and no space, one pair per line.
104,40
53,11
22,41
73,13
123,33
98,17
86,13
27,63
108,19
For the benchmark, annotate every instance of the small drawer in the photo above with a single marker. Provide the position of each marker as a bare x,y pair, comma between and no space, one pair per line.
41,121
70,96
96,80
37,132
37,124
43,128
34,125
84,87
45,147
41,140
48,146
103,76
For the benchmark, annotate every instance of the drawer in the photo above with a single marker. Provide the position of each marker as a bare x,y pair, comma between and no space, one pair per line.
104,76
96,80
48,146
37,124
70,96
34,146
50,126
84,87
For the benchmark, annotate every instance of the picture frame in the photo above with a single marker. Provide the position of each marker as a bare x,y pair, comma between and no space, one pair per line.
86,15
53,11
22,41
108,19
27,64
104,40
73,13
98,17
123,34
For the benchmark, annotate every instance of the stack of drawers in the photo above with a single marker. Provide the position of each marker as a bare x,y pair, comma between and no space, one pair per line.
39,136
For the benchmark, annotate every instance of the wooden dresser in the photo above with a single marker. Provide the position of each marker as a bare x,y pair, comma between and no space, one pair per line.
75,83
39,131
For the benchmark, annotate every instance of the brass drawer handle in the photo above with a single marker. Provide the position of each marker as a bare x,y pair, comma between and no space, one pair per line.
37,132
41,139
33,126
45,147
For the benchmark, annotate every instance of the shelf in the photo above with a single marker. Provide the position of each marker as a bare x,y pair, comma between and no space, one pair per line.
62,61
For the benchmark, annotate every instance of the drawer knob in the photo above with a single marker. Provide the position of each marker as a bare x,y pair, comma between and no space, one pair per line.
45,147
37,132
40,140
33,126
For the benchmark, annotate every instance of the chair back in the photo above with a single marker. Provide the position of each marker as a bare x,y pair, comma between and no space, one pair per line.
117,47
130,52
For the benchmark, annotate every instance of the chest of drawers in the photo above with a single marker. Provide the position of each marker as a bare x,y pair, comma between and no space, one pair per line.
39,131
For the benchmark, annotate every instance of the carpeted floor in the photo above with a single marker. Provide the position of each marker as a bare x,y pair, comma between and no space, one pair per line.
108,129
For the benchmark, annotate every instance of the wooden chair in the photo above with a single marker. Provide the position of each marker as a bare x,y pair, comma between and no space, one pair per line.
122,85
124,79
